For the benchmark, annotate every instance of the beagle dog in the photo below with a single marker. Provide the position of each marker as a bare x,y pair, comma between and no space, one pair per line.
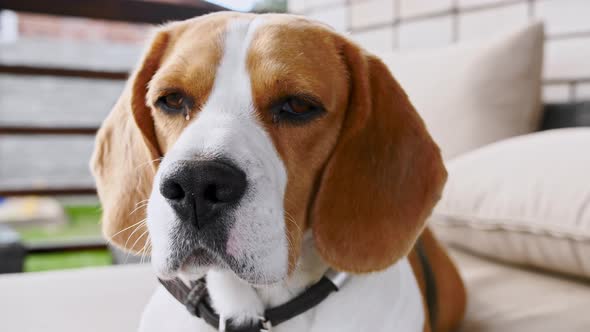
261,151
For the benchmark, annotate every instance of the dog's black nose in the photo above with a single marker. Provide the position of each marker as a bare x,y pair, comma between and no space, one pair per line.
201,191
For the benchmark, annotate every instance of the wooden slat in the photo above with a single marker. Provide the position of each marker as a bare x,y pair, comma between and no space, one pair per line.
115,10
39,248
17,130
63,191
62,72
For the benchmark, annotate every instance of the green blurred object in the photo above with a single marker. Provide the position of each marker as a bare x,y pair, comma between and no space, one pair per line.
83,223
67,260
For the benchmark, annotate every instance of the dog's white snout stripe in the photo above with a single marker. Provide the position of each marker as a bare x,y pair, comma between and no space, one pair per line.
227,127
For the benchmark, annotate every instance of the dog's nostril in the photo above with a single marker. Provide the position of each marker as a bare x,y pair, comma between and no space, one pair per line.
170,189
210,193
215,193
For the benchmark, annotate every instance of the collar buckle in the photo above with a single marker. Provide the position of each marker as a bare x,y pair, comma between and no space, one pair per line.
195,296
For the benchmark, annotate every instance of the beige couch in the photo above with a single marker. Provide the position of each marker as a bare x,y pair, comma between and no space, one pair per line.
502,298
459,85
85,300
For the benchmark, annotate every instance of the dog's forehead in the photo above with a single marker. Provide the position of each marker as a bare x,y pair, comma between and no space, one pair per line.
290,28
282,54
282,38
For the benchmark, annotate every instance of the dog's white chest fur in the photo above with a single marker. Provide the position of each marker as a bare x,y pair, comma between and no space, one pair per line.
385,301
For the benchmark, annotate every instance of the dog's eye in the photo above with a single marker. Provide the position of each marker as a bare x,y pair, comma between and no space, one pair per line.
296,106
174,102
297,110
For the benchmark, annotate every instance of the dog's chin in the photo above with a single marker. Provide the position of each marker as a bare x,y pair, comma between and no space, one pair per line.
257,279
201,261
198,263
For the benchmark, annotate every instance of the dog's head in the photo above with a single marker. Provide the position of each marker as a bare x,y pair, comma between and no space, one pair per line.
240,132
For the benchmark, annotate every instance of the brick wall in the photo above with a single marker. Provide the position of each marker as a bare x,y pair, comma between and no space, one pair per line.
45,26
70,28
399,25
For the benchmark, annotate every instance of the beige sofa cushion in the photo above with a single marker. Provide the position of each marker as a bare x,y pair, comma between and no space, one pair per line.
503,298
524,200
87,300
474,94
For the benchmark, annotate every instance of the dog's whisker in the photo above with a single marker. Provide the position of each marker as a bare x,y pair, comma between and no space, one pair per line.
148,250
142,201
149,162
131,235
288,215
137,224
288,237
134,243
144,246
144,250
138,207
292,220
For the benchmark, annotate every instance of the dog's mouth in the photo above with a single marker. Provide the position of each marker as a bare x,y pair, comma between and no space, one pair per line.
196,264
199,257
193,254
200,260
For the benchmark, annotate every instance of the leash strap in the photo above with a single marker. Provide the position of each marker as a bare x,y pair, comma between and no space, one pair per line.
430,282
196,299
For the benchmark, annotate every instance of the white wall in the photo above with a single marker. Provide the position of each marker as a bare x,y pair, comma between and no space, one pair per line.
382,25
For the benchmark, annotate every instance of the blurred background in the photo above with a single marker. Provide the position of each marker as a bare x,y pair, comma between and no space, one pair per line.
488,81
410,25
63,64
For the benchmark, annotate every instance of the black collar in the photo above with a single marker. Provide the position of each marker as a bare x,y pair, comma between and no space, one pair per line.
196,299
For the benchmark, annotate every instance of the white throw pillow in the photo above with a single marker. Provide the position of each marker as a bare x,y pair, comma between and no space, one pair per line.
524,200
473,94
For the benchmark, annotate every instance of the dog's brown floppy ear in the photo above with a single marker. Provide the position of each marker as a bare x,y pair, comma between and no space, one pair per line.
383,178
126,155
